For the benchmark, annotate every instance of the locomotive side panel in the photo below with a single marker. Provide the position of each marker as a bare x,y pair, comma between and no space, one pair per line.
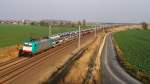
43,44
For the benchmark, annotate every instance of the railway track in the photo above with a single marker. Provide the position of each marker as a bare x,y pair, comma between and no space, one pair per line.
9,61
10,72
16,61
10,64
12,69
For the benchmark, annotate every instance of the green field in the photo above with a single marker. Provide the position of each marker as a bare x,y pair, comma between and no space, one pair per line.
14,34
135,45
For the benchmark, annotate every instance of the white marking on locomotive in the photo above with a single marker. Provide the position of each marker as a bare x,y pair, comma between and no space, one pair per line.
27,47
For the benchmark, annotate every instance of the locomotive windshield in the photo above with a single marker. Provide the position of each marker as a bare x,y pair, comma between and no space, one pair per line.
28,45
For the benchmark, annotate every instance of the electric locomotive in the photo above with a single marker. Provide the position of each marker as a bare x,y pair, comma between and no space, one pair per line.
34,46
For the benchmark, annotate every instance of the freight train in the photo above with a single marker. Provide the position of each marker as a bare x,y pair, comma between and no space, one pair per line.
33,46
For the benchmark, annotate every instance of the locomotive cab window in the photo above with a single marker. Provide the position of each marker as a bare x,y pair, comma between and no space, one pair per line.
27,45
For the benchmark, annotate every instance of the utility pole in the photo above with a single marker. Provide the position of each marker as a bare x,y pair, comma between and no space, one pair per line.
50,30
95,30
79,36
103,28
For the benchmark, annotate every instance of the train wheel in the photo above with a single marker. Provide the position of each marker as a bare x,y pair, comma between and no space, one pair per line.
19,55
30,55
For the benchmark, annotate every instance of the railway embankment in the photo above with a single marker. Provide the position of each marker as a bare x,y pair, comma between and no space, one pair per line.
8,53
85,69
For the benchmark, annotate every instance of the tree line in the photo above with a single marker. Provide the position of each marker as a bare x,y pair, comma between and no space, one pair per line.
47,23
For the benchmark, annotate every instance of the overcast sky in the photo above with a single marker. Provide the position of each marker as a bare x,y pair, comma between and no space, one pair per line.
91,10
